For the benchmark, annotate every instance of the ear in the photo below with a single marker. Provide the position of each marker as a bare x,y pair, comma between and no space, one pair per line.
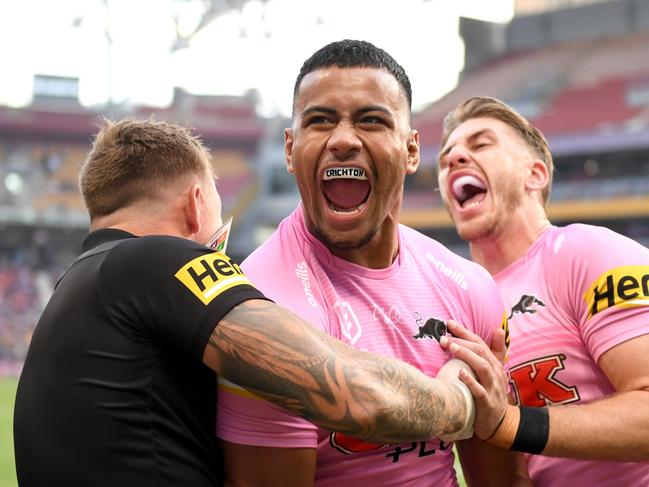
192,209
288,149
414,156
538,177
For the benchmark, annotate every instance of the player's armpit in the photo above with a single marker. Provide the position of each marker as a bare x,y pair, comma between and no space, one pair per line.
277,355
256,466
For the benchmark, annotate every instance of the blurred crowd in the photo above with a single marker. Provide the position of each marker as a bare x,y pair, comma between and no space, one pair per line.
23,293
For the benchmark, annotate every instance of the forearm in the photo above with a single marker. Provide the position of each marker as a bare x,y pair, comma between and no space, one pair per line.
615,428
275,354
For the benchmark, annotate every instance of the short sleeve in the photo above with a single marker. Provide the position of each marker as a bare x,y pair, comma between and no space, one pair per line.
172,290
607,285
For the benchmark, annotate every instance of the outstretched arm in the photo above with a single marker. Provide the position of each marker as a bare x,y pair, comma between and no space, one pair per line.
613,428
277,355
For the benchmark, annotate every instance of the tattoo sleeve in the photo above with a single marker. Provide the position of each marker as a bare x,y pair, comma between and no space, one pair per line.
277,355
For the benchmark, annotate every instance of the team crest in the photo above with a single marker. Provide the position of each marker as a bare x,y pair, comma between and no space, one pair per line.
526,304
432,328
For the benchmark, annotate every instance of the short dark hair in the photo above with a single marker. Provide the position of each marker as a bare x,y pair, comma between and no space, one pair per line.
352,54
131,158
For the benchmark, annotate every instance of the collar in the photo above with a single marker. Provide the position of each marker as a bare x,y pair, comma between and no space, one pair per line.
103,235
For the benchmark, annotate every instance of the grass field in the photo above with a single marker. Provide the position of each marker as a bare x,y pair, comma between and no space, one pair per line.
7,469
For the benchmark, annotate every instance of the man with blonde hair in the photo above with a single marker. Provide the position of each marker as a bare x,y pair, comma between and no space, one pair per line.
578,298
118,387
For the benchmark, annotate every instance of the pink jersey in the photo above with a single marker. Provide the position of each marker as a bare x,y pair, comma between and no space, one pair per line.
391,311
578,291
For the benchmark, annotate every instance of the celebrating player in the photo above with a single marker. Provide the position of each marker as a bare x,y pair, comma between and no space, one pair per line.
579,300
342,261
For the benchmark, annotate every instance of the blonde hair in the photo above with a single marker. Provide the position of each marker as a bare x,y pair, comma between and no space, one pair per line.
483,106
130,159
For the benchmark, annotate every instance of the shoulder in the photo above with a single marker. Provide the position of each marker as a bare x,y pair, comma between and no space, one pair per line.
591,248
445,261
160,249
583,261
164,262
153,254
279,266
282,251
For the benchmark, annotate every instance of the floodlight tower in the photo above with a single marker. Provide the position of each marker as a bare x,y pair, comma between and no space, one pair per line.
211,10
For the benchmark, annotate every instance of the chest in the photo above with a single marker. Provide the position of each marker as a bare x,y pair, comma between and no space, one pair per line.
549,362
399,315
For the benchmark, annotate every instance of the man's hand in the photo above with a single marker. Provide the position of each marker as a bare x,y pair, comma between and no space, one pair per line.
491,387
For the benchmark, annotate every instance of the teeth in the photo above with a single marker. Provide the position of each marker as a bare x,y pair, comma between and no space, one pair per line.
460,183
344,173
347,211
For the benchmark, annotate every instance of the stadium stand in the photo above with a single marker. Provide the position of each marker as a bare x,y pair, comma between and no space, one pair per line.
42,219
580,75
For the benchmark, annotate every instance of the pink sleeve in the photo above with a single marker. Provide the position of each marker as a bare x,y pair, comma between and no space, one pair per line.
246,419
607,285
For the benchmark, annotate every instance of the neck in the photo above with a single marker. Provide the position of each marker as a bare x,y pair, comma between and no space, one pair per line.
131,220
509,242
378,253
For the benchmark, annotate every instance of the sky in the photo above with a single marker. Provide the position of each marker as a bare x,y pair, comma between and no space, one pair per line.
260,47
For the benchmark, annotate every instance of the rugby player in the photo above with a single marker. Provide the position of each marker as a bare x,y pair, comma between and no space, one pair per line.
343,262
579,304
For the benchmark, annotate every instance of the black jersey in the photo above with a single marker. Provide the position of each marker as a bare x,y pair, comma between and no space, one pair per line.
114,391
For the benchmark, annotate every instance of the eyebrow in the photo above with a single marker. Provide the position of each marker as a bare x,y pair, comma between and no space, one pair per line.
319,109
332,111
373,108
470,138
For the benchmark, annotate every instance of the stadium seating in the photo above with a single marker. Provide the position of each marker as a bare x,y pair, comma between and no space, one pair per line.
595,90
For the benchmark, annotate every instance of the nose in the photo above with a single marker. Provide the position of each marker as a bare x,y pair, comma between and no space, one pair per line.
344,141
457,156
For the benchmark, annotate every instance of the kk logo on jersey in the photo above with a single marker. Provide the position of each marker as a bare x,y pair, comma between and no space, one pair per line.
626,286
535,384
209,275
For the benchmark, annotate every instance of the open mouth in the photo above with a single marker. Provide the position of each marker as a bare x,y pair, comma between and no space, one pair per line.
468,190
346,189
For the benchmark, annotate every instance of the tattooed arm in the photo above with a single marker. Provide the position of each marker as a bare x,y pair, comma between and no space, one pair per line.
277,355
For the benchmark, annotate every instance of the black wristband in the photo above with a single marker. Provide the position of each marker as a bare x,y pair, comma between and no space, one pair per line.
533,430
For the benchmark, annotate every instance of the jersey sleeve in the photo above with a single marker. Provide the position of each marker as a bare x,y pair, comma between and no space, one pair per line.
606,286
177,290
